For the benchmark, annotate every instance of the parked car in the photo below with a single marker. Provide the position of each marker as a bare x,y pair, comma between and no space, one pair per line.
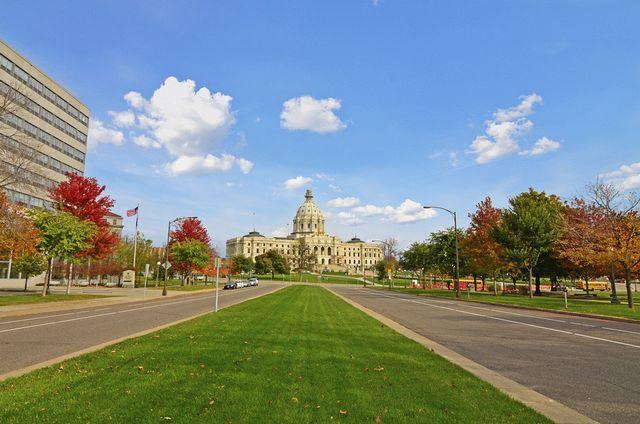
229,286
253,281
240,284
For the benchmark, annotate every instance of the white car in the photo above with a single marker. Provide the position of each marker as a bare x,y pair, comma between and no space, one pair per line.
253,281
240,284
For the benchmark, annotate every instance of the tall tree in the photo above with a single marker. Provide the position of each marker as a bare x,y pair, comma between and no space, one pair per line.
62,235
483,252
529,228
443,252
84,198
621,240
192,255
191,228
418,259
271,262
241,264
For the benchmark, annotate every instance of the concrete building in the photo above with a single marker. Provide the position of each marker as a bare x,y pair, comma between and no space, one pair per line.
115,223
331,252
45,122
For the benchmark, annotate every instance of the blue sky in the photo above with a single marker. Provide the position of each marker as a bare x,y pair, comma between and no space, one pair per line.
382,105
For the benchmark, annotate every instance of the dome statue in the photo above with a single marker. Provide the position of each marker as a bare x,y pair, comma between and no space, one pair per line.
309,218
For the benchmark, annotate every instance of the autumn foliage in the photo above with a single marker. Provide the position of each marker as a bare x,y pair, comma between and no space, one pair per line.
84,198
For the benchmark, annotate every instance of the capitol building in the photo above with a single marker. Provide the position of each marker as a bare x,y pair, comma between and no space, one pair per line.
331,253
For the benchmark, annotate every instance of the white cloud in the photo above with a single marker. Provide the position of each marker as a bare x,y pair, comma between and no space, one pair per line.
280,232
135,99
348,218
408,211
343,202
123,119
307,113
503,132
542,146
186,164
99,134
335,188
183,120
187,122
296,182
323,176
146,142
626,177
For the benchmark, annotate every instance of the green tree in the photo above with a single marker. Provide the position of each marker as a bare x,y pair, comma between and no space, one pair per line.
528,228
29,265
192,255
443,252
381,270
271,262
418,259
263,264
241,264
62,235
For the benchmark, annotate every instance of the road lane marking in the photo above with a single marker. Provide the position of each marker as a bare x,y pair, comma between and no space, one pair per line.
621,330
7,330
514,322
521,314
154,301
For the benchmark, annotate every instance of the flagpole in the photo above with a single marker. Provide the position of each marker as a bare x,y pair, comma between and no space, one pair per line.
135,240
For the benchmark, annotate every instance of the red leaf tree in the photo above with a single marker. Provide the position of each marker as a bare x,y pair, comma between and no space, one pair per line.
188,229
85,199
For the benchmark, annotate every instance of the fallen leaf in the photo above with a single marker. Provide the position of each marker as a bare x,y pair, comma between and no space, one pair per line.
295,399
378,419
343,412
379,369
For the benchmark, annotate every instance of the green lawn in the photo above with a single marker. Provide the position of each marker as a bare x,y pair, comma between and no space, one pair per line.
20,299
600,305
298,355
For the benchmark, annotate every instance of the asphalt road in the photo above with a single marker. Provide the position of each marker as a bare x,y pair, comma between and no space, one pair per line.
31,339
589,365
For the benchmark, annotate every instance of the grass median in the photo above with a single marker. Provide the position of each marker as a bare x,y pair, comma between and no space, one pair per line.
298,355
599,305
21,299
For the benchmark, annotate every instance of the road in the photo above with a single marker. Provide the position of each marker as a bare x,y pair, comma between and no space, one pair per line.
31,339
589,365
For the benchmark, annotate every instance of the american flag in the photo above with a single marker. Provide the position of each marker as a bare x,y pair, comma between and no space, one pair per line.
132,212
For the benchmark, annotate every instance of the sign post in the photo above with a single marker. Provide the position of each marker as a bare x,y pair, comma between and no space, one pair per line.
217,264
146,275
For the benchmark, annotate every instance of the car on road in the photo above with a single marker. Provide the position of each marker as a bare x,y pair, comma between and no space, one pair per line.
240,284
253,281
229,286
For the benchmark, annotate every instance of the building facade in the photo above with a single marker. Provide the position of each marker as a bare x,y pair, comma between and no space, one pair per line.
330,252
43,122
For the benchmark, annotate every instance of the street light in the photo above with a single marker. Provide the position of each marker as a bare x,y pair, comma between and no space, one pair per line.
166,251
456,283
364,282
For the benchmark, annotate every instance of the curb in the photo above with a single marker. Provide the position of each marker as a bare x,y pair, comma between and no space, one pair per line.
532,308
90,349
546,406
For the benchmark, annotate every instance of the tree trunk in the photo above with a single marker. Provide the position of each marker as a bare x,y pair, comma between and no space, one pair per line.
586,284
538,292
47,277
495,285
484,282
628,284
70,277
531,282
26,281
514,280
475,282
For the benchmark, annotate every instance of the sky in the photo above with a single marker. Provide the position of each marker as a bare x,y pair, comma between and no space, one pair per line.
229,110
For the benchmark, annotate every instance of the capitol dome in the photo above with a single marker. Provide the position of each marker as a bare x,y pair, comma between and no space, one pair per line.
309,218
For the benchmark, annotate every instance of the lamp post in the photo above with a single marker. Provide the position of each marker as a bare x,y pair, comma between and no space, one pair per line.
456,283
365,281
166,251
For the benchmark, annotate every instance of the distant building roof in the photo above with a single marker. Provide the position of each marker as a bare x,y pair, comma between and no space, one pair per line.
254,233
115,215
